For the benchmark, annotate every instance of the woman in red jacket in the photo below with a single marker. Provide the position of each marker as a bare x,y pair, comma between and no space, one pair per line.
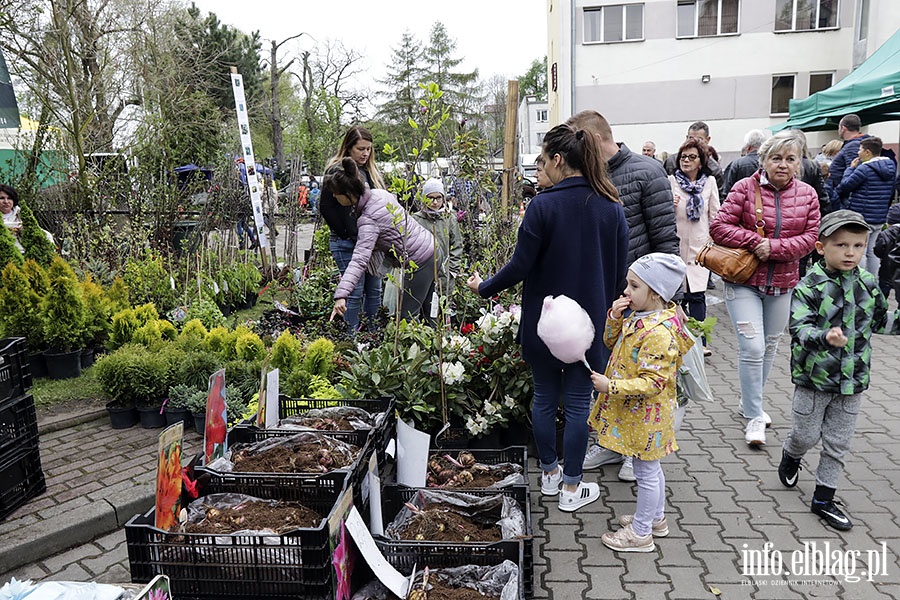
759,308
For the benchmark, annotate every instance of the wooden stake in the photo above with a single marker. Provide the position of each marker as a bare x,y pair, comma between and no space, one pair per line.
509,143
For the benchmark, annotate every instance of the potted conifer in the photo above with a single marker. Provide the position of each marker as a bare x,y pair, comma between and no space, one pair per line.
64,319
20,314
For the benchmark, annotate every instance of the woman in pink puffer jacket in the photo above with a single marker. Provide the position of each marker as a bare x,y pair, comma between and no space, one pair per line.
760,307
386,234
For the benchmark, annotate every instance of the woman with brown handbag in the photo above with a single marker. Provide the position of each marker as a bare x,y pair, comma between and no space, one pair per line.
759,307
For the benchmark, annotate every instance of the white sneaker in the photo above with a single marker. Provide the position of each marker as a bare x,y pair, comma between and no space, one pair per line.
755,434
550,482
583,495
765,416
597,456
626,471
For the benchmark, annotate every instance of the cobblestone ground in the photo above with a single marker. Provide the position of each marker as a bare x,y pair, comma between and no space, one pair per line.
725,505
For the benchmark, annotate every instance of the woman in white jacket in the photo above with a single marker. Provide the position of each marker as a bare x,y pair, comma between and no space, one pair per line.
696,196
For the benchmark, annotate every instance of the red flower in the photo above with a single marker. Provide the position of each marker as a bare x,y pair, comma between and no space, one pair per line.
467,328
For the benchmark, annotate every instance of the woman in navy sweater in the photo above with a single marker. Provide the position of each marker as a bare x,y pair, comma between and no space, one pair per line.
573,240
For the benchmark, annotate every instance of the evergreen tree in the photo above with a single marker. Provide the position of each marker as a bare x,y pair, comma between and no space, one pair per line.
20,313
63,308
9,253
402,82
460,94
34,239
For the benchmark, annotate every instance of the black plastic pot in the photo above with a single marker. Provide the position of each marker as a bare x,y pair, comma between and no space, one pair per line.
199,422
122,417
174,415
37,365
151,417
87,358
63,365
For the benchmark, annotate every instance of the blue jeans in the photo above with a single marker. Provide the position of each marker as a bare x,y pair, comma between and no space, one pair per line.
366,294
572,386
752,313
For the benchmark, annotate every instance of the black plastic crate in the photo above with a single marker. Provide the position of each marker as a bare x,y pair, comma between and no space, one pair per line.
18,425
517,455
21,479
248,433
402,554
296,564
356,473
383,433
15,374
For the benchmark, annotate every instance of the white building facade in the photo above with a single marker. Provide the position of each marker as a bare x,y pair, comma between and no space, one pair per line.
654,67
532,123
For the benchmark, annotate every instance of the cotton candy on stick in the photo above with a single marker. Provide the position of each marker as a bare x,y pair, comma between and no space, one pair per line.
566,328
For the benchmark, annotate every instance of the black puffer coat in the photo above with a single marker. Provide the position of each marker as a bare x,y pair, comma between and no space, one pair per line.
646,196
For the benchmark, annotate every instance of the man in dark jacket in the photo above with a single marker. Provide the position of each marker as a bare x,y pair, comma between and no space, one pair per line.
644,190
748,163
700,131
868,186
848,130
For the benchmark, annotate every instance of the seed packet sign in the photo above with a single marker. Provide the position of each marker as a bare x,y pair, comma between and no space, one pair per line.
214,437
168,477
157,589
267,413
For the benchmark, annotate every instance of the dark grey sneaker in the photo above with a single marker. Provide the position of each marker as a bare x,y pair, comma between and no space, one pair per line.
834,516
788,469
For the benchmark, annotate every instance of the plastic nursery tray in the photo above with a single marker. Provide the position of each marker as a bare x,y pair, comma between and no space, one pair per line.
15,375
517,455
296,564
21,479
356,475
18,425
403,554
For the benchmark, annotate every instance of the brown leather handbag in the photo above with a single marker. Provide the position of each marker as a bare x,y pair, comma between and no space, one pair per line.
735,265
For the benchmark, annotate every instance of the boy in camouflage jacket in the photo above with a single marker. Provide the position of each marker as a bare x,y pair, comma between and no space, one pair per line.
834,311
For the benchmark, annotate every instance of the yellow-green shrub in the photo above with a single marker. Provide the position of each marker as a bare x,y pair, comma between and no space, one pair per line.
286,353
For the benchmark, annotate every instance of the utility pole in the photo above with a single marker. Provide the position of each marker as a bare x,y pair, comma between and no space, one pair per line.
275,74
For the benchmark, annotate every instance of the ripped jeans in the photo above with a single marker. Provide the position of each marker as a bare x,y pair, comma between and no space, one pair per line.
759,321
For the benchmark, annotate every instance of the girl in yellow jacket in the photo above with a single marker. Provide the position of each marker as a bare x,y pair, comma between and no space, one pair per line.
634,411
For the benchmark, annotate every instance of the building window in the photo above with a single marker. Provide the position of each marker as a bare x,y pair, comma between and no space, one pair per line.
704,18
618,23
805,15
862,28
782,93
542,116
819,82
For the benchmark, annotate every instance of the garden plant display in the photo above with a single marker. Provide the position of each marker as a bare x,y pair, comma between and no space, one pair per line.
231,513
302,453
464,472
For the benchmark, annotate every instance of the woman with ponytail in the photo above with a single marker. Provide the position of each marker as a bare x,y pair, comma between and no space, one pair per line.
387,237
573,241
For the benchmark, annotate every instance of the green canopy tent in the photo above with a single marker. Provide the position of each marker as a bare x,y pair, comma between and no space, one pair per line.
871,91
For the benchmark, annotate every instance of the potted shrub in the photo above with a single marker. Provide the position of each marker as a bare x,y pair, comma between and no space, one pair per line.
97,315
34,239
178,405
196,404
64,322
135,376
20,315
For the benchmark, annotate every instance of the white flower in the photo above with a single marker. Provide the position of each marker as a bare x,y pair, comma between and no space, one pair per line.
362,346
509,401
474,427
452,372
506,319
458,342
490,408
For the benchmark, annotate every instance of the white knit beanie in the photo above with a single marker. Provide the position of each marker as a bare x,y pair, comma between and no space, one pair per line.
663,273
433,185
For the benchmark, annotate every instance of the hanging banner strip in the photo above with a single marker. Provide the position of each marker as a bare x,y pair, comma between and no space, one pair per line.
254,180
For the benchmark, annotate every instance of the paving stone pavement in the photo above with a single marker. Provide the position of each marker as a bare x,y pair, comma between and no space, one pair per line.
725,505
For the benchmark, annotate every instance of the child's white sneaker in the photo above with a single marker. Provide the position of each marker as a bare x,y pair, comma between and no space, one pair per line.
626,540
583,495
550,482
626,471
